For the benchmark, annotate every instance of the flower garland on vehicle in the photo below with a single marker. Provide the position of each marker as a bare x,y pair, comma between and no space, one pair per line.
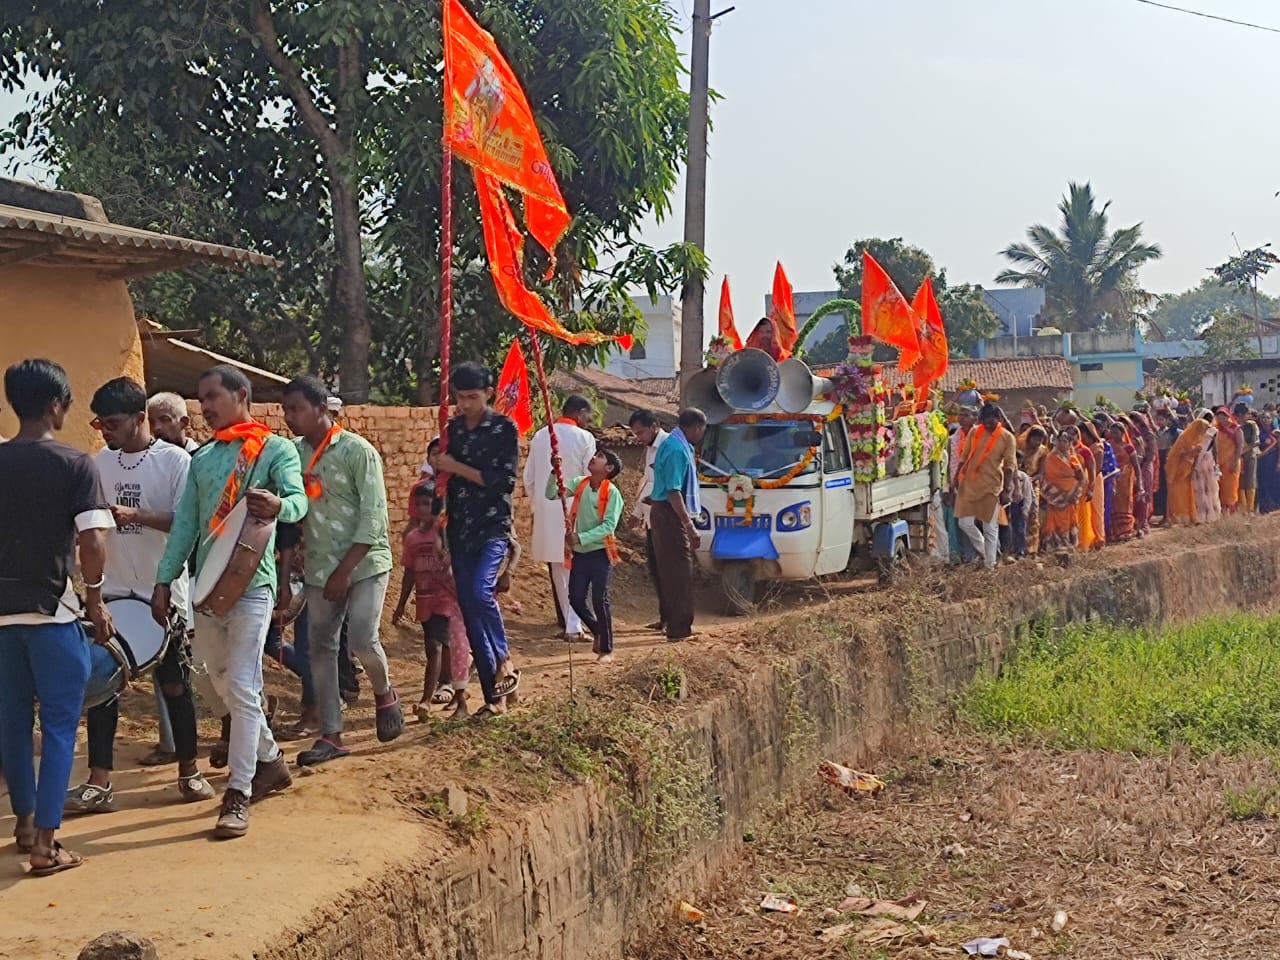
718,350
909,441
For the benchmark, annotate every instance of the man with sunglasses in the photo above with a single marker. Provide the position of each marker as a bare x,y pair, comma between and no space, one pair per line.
143,479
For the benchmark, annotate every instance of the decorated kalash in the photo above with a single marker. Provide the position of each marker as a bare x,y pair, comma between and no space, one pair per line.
805,476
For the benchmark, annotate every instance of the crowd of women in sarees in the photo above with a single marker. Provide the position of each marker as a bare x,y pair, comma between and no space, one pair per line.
1106,479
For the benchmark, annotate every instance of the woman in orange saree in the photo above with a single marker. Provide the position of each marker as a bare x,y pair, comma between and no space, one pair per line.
1230,459
1095,495
1179,472
1062,480
1128,486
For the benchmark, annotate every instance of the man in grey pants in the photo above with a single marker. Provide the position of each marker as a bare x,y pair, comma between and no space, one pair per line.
347,561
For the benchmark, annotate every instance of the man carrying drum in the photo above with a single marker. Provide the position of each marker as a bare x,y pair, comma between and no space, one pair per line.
346,560
143,478
244,461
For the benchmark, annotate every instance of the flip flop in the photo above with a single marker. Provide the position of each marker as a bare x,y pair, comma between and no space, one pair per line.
442,697
72,860
218,754
24,837
322,752
389,720
158,758
508,684
293,733
485,714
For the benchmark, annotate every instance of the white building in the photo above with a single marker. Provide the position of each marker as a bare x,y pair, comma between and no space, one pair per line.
657,353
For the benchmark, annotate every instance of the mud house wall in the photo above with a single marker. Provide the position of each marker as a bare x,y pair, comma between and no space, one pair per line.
567,880
70,316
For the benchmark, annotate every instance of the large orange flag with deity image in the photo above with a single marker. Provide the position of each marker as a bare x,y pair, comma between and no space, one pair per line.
886,315
934,351
488,122
727,328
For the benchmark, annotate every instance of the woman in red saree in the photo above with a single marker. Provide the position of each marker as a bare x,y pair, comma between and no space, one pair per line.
1128,485
765,337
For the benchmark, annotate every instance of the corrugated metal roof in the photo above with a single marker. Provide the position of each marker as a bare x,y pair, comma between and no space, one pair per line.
75,242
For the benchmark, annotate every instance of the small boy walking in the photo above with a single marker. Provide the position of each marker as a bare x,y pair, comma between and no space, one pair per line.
592,546
427,572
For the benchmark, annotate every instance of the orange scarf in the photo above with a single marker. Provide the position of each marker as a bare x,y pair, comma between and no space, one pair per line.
974,439
310,479
602,504
567,421
254,437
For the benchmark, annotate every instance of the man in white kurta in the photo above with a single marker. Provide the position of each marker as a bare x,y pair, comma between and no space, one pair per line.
577,447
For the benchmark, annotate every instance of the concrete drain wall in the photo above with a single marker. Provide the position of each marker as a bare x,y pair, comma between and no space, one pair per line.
567,880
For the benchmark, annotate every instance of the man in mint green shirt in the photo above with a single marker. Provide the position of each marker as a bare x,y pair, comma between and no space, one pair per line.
595,510
243,461
347,560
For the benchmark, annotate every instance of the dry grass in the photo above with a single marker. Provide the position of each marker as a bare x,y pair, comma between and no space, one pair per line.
1144,855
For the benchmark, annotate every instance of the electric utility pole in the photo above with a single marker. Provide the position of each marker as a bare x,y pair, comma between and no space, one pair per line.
695,197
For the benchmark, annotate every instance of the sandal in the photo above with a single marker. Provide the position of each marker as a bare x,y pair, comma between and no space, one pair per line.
218,754
24,834
442,697
158,758
486,713
322,752
296,731
389,719
60,859
508,684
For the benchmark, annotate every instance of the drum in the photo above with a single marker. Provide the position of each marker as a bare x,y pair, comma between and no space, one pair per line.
297,601
137,646
232,561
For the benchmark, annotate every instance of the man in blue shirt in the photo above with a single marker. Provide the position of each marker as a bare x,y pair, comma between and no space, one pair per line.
675,501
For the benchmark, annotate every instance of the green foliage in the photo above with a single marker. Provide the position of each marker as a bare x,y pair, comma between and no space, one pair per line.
175,116
1180,316
1245,270
1229,336
1254,802
965,313
833,348
1086,271
1212,685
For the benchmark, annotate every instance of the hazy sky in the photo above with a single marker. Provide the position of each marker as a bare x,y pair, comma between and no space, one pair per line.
956,123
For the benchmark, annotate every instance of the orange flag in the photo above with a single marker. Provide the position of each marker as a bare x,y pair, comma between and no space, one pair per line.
487,122
784,311
934,352
504,243
512,396
886,315
727,328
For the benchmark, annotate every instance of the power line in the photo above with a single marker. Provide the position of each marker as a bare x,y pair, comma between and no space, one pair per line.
1209,16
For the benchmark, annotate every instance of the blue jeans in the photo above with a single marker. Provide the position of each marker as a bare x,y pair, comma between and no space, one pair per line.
49,663
231,648
476,576
295,656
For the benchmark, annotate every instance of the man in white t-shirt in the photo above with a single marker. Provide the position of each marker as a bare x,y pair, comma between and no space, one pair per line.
167,414
646,428
576,447
143,479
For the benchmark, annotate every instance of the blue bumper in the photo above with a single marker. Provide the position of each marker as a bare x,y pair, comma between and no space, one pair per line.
734,540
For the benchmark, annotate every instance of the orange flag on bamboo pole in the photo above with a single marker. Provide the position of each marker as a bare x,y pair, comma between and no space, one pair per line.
488,122
783,313
727,328
512,396
934,351
886,315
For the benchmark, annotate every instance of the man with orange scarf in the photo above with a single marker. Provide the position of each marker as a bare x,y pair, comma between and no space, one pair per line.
984,481
243,461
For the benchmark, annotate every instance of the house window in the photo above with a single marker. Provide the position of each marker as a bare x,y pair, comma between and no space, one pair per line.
637,351
1090,367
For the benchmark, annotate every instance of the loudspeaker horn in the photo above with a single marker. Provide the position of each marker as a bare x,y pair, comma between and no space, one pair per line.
748,380
703,394
798,386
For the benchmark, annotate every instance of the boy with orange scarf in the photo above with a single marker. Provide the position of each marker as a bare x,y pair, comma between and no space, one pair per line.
591,545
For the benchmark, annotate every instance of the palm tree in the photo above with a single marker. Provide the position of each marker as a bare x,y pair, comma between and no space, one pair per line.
1086,272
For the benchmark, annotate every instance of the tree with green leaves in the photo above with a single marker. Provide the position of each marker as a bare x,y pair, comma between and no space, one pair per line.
1088,273
1242,273
1228,336
965,312
312,132
1182,316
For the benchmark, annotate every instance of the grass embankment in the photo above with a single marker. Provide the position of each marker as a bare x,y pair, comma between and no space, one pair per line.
1211,685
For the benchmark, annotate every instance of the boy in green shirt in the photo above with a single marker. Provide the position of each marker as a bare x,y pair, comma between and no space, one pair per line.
594,513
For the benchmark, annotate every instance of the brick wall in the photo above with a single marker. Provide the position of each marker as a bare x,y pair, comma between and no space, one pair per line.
400,434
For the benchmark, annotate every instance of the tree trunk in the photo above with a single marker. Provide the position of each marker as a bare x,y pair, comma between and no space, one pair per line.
351,291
